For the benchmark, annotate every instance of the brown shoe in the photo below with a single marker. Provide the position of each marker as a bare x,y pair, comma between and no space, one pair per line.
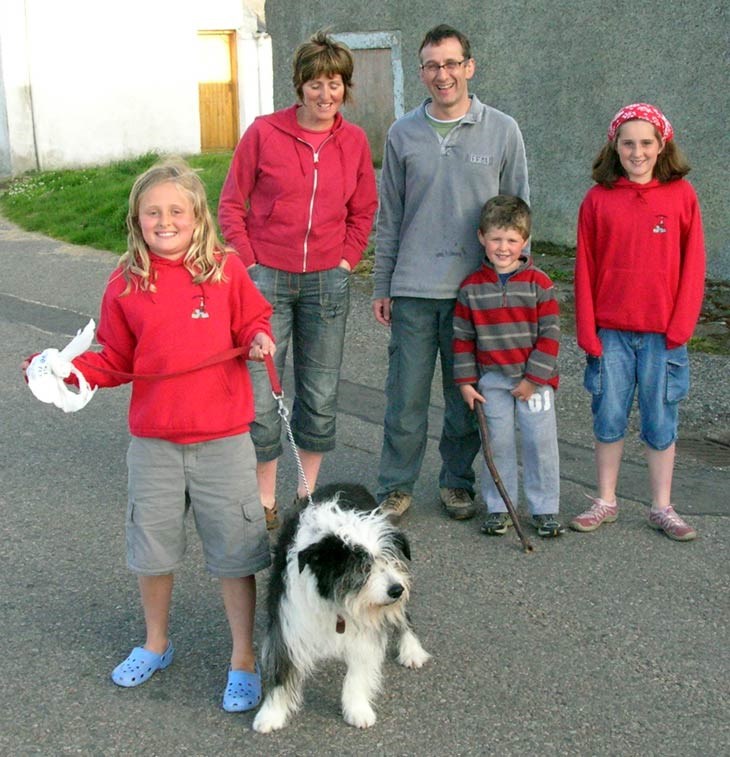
396,503
272,517
299,502
458,503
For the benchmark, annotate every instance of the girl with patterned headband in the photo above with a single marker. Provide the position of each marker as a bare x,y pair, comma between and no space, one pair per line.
639,282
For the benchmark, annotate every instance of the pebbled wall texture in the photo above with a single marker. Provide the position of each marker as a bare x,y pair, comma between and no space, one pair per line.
562,69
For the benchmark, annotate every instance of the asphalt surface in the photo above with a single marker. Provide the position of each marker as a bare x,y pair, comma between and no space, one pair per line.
612,643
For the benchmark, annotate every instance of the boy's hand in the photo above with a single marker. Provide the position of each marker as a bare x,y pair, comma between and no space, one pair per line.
524,390
470,395
261,345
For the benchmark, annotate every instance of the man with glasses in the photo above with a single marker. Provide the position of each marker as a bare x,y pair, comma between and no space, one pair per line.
442,162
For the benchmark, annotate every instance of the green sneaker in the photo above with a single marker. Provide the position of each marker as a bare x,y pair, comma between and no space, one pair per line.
547,525
496,524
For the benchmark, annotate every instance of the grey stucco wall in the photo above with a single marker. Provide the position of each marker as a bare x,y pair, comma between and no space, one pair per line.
562,69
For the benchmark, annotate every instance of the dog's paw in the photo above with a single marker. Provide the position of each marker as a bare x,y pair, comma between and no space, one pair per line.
361,716
410,652
269,719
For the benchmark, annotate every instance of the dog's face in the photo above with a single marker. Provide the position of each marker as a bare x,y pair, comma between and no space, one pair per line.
349,572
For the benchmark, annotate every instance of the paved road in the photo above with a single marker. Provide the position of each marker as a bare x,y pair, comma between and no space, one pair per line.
613,643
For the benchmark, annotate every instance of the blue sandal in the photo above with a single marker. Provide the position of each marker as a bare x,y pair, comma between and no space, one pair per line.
141,665
243,690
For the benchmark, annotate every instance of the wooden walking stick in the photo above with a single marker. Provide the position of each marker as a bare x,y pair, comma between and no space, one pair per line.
479,410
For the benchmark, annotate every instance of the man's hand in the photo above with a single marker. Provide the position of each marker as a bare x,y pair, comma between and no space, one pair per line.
381,310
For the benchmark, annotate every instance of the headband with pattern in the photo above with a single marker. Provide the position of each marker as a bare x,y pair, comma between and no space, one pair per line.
644,112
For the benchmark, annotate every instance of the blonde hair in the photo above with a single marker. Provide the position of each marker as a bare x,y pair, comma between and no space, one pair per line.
205,258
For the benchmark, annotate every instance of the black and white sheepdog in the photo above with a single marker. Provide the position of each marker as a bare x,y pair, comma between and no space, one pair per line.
339,583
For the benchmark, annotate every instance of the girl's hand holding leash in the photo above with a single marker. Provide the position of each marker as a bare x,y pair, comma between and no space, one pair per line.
261,346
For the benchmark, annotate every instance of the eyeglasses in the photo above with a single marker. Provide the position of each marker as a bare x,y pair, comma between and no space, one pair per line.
451,66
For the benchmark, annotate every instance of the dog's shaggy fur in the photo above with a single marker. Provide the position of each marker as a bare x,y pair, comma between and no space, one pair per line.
339,583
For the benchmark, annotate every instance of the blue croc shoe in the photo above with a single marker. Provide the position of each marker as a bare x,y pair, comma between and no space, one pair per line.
141,665
243,690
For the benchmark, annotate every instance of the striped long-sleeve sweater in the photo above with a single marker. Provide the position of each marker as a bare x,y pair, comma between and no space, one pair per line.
513,328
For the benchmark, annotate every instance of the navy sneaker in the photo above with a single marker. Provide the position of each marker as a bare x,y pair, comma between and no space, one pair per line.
547,525
496,524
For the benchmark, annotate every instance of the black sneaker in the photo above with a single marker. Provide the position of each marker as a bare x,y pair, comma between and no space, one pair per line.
547,525
496,524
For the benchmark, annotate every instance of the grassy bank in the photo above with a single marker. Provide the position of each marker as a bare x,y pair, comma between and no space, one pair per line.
89,206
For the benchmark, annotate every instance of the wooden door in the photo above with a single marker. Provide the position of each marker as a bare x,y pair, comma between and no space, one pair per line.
218,90
373,103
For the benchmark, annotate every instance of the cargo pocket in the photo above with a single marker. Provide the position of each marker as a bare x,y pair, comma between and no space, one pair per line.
252,511
592,378
677,378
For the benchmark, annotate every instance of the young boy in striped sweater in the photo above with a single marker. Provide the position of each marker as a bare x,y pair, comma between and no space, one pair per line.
506,341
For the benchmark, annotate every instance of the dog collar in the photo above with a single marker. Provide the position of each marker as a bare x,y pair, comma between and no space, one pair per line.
340,624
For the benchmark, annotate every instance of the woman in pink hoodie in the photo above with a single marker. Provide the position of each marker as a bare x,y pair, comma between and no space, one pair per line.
298,206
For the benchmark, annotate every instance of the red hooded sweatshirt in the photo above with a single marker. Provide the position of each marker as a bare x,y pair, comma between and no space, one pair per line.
288,207
640,261
175,328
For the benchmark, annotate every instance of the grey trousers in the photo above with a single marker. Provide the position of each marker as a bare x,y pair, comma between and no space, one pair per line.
539,444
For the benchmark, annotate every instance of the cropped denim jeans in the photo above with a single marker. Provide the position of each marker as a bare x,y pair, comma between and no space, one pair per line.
310,313
421,329
635,362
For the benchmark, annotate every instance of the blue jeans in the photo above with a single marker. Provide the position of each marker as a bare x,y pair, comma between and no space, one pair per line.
420,330
632,361
310,311
539,442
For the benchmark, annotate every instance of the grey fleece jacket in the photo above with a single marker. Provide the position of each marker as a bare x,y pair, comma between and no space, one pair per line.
431,194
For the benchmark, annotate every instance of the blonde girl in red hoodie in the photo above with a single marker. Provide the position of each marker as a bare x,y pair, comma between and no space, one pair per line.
172,315
639,282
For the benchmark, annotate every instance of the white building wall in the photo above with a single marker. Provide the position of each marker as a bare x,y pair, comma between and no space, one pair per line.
255,81
14,66
91,81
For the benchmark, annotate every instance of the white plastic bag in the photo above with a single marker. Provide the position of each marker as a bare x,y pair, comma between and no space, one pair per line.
47,371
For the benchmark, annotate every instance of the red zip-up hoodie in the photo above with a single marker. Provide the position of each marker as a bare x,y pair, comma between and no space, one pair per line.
288,207
640,261
175,328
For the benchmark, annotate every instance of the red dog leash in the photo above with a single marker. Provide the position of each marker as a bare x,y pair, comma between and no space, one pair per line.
220,357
